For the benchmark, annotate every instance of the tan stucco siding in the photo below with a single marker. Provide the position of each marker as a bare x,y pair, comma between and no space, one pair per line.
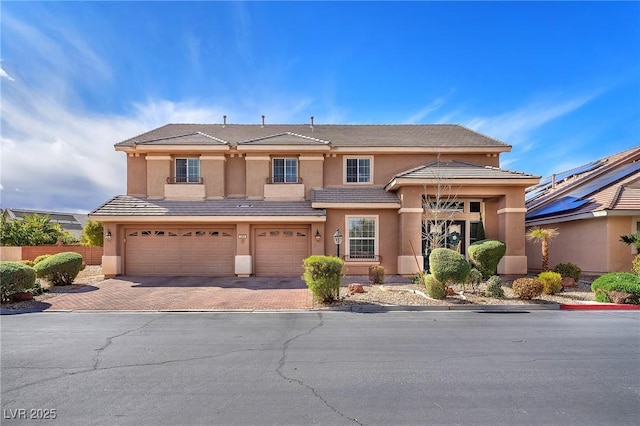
235,177
158,170
573,245
258,169
213,173
311,172
136,176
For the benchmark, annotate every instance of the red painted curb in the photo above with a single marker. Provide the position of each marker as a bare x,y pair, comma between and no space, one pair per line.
599,307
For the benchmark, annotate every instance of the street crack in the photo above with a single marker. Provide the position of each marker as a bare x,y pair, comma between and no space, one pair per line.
282,362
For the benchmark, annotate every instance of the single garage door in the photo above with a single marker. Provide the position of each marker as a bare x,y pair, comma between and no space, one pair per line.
180,251
280,251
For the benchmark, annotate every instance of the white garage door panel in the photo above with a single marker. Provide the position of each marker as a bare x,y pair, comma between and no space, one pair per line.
179,251
280,251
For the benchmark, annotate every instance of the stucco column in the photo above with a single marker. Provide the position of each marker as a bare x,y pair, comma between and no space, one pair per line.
112,249
158,170
258,168
243,261
511,230
410,232
212,172
311,172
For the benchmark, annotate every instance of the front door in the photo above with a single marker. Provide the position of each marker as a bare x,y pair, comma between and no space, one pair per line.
449,234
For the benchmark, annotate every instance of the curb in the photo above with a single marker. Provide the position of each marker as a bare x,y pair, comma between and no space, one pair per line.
598,307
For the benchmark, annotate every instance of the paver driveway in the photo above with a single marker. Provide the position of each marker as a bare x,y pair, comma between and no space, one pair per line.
185,293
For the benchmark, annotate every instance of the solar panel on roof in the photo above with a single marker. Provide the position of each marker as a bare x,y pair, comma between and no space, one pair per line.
561,205
606,179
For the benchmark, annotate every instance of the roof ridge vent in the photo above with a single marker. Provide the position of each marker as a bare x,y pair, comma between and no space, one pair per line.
311,123
224,121
263,120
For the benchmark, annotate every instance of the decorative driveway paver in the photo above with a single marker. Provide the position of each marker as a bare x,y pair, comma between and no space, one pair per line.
185,293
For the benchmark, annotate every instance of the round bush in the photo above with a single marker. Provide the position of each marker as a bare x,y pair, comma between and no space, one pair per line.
448,265
15,277
494,287
474,277
485,256
568,269
551,282
527,288
61,268
323,276
435,289
635,265
624,282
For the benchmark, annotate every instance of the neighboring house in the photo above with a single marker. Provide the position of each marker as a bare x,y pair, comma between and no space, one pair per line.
223,199
70,222
591,206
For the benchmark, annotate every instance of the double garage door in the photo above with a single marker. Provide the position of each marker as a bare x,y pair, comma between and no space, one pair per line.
180,251
211,251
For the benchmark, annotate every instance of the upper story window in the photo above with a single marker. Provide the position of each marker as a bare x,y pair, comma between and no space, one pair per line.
285,170
358,170
188,170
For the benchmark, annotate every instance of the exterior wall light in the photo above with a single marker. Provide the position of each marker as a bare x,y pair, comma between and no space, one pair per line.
318,236
108,235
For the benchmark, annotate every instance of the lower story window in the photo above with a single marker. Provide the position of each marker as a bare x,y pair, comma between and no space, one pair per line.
362,237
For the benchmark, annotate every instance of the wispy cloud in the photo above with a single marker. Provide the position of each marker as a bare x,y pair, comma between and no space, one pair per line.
3,74
517,125
431,107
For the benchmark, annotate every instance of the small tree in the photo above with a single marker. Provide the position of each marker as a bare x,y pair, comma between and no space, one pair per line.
543,236
32,230
92,234
631,239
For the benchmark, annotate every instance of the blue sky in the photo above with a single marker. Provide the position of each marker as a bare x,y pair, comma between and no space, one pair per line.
558,81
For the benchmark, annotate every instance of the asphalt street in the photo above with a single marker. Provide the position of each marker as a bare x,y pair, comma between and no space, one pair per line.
326,368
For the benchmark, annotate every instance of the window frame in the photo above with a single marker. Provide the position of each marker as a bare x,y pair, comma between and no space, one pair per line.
358,181
374,257
284,175
188,178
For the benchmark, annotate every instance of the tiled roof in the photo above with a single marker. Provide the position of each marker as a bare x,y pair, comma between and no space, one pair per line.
611,183
124,205
459,170
196,138
354,195
287,138
338,135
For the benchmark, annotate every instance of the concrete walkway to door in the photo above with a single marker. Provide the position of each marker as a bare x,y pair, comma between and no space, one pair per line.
184,293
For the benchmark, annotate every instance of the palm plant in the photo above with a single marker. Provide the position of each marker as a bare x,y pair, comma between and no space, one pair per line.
543,236
631,239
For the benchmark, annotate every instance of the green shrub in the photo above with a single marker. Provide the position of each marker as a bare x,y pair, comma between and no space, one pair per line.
494,287
527,288
617,281
376,274
15,277
485,256
323,275
551,282
435,289
448,265
40,258
27,262
474,278
61,268
568,269
635,265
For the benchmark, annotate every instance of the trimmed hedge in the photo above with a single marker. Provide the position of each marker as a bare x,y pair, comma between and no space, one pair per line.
568,269
625,282
15,277
323,275
527,288
61,268
485,256
376,274
551,282
435,289
448,265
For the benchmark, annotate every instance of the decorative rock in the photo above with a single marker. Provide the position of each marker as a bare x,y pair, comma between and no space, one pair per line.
618,296
356,288
568,282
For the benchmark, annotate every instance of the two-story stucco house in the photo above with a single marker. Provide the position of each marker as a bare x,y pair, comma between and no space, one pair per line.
226,199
